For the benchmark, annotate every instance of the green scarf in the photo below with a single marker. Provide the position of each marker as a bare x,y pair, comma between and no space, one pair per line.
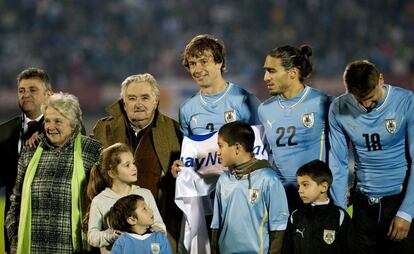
79,239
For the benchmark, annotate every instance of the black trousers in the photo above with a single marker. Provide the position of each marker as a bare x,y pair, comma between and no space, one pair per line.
372,219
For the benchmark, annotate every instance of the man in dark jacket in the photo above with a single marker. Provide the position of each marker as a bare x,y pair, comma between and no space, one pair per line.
34,88
153,138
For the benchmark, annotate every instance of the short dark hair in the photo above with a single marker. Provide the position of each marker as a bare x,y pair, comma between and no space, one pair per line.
33,72
238,132
317,170
123,209
203,42
292,57
361,77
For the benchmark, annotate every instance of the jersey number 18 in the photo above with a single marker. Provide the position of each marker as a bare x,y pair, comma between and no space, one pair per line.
372,141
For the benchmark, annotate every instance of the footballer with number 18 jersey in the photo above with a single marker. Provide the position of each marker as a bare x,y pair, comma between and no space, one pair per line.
379,140
378,121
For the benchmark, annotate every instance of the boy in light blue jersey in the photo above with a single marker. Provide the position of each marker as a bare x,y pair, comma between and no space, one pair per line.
250,207
378,121
295,117
218,102
132,216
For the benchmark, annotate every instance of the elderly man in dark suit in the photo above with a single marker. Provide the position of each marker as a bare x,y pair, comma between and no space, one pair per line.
33,89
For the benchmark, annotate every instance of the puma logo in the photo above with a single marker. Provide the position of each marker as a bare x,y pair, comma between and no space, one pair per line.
194,119
351,126
270,123
300,232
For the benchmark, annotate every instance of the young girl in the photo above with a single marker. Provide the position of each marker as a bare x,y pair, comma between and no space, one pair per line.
131,215
112,177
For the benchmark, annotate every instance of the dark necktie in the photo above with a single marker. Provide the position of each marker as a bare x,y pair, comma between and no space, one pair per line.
32,127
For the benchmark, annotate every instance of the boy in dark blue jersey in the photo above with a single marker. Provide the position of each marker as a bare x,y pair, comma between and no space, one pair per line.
318,224
378,120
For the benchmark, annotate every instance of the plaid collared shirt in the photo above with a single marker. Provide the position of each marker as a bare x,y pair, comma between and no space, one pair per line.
51,195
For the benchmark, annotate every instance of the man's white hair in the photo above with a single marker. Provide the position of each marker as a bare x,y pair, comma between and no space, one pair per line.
138,78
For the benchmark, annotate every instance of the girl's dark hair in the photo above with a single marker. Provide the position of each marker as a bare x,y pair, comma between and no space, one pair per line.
99,177
123,209
292,57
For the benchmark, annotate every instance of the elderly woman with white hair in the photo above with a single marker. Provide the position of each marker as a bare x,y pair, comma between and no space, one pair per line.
48,199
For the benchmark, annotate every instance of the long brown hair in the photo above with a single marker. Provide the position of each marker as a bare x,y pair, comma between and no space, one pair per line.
99,178
292,57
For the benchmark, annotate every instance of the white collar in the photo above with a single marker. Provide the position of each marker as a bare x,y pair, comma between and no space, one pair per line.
140,237
27,119
138,131
226,90
316,203
305,93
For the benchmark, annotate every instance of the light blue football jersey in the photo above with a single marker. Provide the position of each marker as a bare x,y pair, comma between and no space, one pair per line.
197,181
202,113
381,141
246,215
153,243
296,130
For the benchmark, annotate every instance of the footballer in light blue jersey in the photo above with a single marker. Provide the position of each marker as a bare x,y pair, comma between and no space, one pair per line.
207,113
296,130
295,118
218,102
379,139
246,213
378,121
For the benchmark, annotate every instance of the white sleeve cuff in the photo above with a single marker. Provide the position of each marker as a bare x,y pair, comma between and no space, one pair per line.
281,227
404,216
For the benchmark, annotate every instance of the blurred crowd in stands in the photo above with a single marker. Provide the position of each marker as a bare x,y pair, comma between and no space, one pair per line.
86,44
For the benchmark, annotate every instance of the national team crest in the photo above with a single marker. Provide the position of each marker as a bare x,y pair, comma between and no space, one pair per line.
230,116
155,248
391,125
329,236
308,120
253,196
